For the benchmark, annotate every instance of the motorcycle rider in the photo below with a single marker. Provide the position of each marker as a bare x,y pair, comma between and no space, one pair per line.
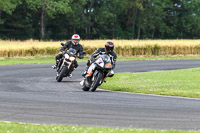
74,43
108,49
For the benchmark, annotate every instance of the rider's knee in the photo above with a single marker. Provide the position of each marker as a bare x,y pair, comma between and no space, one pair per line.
110,74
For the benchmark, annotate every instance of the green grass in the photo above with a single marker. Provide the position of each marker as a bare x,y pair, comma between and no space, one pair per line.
7,127
184,83
157,58
39,60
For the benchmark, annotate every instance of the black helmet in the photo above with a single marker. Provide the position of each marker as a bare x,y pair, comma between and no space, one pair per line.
109,46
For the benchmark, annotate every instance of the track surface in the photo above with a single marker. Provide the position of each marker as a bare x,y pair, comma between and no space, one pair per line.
30,93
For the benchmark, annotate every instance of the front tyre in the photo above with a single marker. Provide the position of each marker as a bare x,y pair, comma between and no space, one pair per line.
96,81
61,74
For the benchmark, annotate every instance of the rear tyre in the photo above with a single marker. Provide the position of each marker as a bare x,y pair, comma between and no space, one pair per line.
96,82
84,88
61,74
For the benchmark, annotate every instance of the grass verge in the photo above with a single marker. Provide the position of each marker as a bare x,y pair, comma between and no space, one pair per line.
36,60
40,60
7,127
184,83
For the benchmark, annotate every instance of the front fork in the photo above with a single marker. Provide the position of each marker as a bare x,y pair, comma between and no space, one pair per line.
64,63
91,69
90,79
87,81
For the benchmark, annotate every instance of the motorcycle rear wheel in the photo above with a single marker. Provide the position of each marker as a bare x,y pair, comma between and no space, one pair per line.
84,88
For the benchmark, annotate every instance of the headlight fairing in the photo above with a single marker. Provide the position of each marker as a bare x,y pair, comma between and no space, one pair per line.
100,62
66,56
72,58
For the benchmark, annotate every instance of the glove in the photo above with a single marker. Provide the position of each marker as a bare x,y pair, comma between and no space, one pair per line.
80,57
88,63
92,60
62,50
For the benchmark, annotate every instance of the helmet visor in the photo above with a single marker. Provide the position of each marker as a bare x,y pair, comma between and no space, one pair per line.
109,49
75,41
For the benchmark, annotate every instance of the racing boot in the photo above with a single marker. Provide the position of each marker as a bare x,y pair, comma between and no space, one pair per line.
88,81
84,73
70,75
86,69
56,65
110,74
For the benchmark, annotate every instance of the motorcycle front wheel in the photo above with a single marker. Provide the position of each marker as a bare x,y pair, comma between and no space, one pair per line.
96,81
61,74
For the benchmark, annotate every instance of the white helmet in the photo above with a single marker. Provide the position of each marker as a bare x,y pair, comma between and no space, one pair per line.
75,39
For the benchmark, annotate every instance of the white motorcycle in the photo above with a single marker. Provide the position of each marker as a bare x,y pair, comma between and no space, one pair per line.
97,73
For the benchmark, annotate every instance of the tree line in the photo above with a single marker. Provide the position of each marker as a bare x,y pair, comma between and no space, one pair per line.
99,19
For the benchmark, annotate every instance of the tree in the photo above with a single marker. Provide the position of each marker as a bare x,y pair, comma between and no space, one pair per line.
8,6
153,18
188,19
129,17
94,19
50,8
62,26
107,20
17,25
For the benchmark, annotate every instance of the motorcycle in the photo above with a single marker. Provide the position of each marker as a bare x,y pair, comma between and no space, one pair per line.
66,64
97,73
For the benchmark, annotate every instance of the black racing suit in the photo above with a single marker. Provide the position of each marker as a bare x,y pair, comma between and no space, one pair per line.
68,45
98,52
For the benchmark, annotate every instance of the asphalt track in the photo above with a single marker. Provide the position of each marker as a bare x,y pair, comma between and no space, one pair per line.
30,94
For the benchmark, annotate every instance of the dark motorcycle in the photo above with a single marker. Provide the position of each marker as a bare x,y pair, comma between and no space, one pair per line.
66,64
97,73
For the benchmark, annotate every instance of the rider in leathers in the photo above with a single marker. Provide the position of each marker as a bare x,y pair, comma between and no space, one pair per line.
71,44
109,46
